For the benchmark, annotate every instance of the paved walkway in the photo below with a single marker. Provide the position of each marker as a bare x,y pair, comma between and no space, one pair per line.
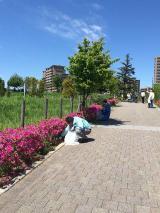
119,172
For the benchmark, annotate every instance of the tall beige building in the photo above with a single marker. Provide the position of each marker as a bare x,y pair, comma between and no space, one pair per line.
157,70
49,73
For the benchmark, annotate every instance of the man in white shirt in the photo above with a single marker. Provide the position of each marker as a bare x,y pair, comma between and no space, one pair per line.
150,98
143,96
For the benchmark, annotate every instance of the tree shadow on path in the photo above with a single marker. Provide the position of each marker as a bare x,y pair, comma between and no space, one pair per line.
111,121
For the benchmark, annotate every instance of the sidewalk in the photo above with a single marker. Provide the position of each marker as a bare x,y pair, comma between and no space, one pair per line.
119,172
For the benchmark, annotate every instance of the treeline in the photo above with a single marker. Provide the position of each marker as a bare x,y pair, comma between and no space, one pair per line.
89,72
16,83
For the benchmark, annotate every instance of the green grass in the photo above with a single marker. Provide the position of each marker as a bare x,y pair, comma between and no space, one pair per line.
10,109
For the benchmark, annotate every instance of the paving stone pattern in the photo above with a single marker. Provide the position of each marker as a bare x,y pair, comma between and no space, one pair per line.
119,172
135,114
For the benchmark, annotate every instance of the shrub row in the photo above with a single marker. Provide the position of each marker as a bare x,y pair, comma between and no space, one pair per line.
19,147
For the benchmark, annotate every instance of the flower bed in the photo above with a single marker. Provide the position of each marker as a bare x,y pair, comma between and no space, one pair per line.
90,113
112,101
20,147
158,103
73,114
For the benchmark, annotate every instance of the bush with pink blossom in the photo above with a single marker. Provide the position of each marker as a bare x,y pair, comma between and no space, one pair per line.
90,113
51,129
73,114
112,101
18,147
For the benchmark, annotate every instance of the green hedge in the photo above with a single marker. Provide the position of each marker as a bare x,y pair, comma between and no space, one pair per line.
156,89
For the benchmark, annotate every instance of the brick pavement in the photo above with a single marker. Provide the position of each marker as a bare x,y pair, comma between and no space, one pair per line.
119,172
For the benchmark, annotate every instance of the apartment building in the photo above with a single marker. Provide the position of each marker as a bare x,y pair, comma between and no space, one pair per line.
157,70
137,83
49,73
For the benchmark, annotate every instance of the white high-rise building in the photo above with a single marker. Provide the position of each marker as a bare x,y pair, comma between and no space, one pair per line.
157,70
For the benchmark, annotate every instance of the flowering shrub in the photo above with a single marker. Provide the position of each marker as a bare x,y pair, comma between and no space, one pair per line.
19,146
8,155
73,114
112,101
95,107
26,141
51,129
90,113
158,103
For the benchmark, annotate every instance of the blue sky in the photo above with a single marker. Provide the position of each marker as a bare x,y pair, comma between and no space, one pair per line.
35,34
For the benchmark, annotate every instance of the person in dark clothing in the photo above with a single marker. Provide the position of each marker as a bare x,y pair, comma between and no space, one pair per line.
106,111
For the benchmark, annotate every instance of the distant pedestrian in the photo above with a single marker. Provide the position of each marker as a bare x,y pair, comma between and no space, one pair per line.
149,103
150,98
106,110
143,96
129,97
135,97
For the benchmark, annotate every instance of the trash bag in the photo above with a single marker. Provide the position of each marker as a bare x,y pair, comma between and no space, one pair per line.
71,138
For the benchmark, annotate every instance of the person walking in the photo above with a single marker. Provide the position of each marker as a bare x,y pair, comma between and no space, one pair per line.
151,95
150,98
129,97
143,96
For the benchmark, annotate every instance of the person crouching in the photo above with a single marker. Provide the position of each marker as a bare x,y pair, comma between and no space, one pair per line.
81,127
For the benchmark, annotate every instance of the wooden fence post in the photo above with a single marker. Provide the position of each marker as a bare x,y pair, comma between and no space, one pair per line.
61,107
46,108
71,103
23,108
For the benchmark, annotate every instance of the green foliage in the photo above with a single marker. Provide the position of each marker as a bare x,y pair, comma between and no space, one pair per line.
15,81
44,150
126,76
68,86
156,88
31,85
90,67
57,82
114,86
2,87
41,88
99,98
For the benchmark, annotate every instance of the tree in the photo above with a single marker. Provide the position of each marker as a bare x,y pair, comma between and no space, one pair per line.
2,87
90,67
69,89
15,81
41,88
27,83
31,85
114,86
57,82
126,76
8,92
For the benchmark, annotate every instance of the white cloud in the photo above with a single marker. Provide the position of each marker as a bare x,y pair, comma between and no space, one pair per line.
65,26
97,6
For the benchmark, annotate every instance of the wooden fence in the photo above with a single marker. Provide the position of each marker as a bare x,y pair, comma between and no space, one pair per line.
46,107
